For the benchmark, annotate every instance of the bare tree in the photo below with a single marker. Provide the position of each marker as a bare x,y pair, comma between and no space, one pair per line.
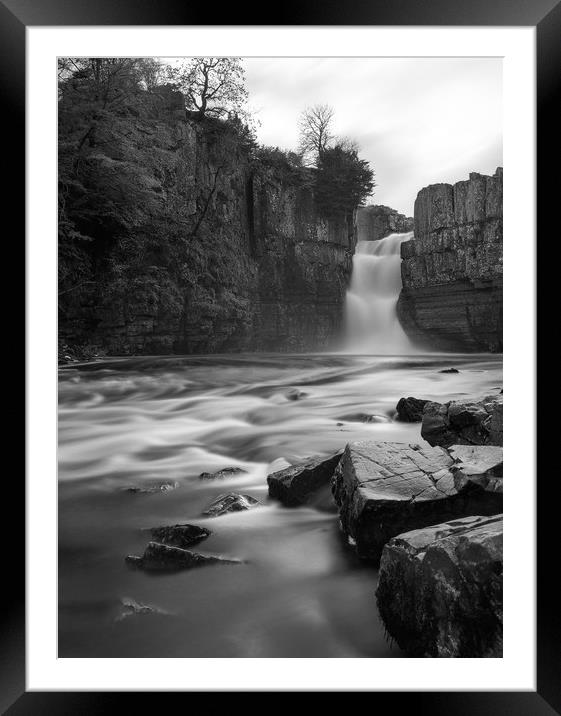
315,130
212,86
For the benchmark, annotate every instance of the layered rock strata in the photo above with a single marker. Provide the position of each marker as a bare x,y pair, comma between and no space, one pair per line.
196,242
452,269
377,221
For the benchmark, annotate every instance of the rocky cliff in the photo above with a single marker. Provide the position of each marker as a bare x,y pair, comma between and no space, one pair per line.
377,221
452,269
179,235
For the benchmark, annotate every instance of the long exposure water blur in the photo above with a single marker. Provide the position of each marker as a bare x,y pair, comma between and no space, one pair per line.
300,591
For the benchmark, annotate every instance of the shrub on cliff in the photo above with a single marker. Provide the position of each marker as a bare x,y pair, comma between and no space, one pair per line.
343,181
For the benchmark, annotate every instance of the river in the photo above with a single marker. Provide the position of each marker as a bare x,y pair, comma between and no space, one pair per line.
300,591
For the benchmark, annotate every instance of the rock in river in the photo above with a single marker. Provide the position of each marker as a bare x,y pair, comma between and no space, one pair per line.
230,502
150,489
180,535
225,472
165,558
385,488
295,485
472,422
440,589
410,410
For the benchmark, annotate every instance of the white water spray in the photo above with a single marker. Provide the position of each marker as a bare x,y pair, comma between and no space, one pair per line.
371,321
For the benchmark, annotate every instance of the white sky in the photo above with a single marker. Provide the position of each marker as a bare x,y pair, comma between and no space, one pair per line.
418,121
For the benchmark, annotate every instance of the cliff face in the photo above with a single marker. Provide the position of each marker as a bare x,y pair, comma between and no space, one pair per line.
195,246
452,270
377,221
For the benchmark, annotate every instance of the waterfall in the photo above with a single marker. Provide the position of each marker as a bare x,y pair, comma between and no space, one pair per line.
371,320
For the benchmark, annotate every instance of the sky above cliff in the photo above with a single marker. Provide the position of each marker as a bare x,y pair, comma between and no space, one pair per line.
418,121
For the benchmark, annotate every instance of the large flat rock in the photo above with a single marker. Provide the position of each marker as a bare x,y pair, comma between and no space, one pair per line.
386,488
440,589
467,422
297,484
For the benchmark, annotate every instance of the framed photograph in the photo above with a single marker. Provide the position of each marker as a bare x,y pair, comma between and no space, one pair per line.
266,353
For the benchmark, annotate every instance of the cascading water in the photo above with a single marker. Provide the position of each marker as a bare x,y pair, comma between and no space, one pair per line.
372,325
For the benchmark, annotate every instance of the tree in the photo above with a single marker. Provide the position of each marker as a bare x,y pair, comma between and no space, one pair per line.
213,86
315,130
343,181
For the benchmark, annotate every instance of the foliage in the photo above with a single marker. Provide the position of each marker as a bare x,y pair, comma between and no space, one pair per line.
343,181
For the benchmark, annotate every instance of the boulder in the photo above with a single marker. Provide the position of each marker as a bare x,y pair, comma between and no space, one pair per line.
440,589
230,502
385,488
449,370
225,472
471,422
295,485
165,558
410,410
180,535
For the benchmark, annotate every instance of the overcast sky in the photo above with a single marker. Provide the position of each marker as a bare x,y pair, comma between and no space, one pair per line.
418,121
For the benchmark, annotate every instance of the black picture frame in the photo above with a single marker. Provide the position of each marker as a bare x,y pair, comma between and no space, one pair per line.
545,15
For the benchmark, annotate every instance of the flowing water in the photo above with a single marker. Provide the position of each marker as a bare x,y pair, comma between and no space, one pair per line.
300,591
371,320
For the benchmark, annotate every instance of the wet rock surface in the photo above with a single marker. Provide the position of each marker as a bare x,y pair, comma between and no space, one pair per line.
440,589
471,422
130,607
365,418
230,502
152,489
296,485
295,394
165,558
221,474
383,489
180,535
410,410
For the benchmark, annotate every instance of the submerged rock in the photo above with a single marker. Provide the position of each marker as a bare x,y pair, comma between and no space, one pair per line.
180,535
385,488
295,394
440,589
295,485
410,410
151,489
130,607
365,418
225,472
471,422
230,502
165,558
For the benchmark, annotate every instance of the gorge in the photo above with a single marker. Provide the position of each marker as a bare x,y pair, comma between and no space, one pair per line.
275,413
218,249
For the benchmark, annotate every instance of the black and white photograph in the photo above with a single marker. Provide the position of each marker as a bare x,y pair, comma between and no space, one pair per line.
280,337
